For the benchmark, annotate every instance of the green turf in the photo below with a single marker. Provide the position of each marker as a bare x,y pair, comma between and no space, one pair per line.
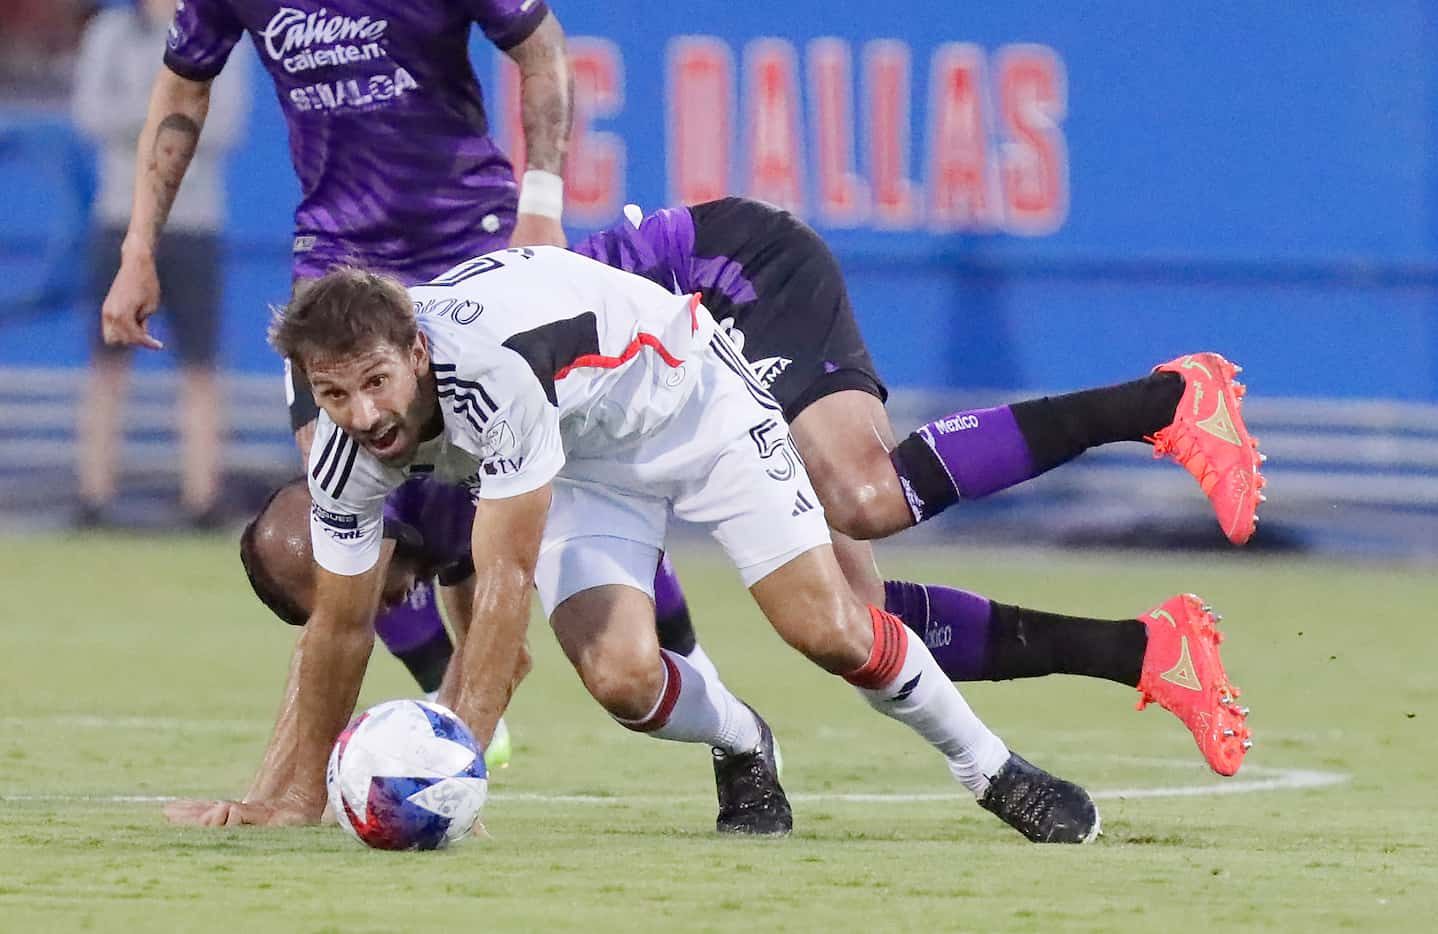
143,667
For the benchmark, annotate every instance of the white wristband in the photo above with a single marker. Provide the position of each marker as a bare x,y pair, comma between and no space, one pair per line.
541,193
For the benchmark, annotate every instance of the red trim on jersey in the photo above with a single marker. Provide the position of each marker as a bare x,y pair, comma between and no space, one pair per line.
694,312
608,363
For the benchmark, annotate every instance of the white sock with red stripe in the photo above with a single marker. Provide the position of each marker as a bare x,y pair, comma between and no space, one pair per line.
693,708
902,680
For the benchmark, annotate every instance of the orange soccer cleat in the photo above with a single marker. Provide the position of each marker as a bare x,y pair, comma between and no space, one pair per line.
1183,673
1208,437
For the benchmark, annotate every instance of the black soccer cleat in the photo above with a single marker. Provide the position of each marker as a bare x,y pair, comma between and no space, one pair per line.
1040,806
751,800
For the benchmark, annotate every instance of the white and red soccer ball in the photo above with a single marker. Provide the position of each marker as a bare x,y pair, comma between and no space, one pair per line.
406,775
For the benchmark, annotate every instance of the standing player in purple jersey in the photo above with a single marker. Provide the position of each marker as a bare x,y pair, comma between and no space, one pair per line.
388,136
771,282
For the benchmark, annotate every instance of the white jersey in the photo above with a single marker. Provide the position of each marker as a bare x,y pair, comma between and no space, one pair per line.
539,355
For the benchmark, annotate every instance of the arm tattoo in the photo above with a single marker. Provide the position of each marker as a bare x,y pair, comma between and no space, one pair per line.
546,100
175,141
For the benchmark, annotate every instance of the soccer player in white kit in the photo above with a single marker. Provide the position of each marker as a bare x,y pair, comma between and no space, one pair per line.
581,405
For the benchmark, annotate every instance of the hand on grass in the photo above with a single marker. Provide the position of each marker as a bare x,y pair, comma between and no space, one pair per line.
287,810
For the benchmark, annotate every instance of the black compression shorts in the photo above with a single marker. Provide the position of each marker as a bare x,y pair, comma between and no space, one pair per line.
796,325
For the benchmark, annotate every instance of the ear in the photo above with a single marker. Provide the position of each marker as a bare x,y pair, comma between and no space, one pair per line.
419,354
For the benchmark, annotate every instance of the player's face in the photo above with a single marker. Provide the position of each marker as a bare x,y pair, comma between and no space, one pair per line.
375,397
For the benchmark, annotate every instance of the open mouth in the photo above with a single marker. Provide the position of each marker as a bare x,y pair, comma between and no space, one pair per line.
382,443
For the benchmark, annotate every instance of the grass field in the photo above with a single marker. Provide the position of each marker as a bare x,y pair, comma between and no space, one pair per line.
136,668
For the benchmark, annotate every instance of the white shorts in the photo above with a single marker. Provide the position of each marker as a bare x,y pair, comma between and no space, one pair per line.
724,461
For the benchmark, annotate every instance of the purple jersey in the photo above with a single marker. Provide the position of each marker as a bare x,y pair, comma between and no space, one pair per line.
663,250
443,517
387,127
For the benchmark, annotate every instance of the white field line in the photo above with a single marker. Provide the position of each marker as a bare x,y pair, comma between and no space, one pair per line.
1256,778
157,724
1262,778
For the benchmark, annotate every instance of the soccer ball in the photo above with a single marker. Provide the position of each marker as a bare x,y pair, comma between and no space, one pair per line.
406,775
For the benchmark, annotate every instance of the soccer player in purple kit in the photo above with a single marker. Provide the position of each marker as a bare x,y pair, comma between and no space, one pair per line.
772,283
389,139
388,136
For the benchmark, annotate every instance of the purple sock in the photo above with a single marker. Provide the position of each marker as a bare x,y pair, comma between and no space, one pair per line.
975,639
671,611
955,625
966,454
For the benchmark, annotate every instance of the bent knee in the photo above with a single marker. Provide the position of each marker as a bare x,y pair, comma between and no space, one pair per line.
625,686
867,506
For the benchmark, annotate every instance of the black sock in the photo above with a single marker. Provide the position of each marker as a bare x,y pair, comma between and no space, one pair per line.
1026,643
427,661
1060,428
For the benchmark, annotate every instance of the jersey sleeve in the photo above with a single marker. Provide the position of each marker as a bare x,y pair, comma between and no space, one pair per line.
201,36
516,438
347,516
507,23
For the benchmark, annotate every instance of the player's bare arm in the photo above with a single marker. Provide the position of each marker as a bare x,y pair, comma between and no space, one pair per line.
167,144
326,676
506,538
277,767
546,100
458,601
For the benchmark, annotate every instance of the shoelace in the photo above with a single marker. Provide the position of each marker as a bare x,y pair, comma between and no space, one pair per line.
1176,442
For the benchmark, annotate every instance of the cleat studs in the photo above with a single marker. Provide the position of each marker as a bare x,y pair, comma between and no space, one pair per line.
1262,498
1229,733
1237,369
1263,458
1247,744
1243,712
1226,699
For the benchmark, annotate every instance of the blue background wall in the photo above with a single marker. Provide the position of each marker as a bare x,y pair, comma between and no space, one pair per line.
1244,178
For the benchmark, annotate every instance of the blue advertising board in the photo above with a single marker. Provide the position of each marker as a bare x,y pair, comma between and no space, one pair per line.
1022,195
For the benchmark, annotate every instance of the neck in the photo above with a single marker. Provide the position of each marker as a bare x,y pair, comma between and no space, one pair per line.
434,424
